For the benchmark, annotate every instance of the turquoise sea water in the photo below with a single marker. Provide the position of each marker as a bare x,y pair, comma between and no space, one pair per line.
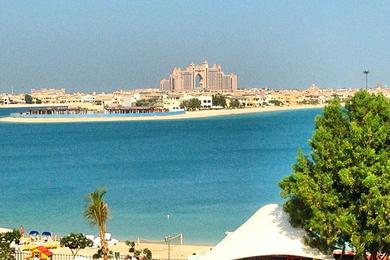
209,175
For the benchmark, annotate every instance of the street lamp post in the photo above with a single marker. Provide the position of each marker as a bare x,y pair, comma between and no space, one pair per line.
168,238
168,241
366,72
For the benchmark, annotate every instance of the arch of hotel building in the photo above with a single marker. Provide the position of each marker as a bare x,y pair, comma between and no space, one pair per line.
211,78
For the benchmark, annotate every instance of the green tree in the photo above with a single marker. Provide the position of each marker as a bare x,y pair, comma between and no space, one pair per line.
276,102
28,99
99,254
6,252
145,253
340,194
97,213
75,242
235,103
184,104
219,100
131,244
147,102
194,104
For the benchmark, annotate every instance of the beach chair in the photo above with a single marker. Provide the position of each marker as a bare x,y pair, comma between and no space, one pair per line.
46,236
34,236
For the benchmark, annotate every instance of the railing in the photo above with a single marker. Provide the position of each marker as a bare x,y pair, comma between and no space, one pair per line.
24,255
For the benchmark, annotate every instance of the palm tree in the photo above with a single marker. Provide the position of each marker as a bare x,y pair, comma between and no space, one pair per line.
97,213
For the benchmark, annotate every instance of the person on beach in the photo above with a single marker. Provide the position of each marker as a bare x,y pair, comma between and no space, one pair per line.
21,230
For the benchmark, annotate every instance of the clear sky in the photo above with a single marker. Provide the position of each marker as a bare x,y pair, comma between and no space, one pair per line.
106,45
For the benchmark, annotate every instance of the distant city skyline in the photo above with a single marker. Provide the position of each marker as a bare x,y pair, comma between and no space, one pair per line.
103,46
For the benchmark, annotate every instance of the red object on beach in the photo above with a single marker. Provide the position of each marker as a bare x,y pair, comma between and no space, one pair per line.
41,252
349,254
346,252
346,255
43,249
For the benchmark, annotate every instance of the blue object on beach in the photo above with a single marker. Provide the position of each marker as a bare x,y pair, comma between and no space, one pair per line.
33,233
46,233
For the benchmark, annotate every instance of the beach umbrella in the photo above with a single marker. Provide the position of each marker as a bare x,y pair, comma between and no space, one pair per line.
33,233
46,233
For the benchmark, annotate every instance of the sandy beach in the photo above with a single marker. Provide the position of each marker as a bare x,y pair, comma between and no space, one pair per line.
159,250
187,115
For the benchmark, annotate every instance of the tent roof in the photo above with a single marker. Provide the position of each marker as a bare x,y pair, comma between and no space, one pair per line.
267,232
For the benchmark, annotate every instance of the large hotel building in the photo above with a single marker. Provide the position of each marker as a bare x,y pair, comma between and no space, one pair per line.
199,77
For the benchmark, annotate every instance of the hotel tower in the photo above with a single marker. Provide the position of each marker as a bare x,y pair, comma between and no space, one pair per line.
199,77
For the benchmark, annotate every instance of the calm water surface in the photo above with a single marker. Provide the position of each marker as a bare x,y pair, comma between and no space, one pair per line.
210,175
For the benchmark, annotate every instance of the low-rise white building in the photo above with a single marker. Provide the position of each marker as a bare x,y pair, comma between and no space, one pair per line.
88,99
16,99
4,99
171,102
128,101
205,101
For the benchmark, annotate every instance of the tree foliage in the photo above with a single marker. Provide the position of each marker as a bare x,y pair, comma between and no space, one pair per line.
341,193
130,244
144,254
276,102
75,242
219,100
97,213
147,102
28,99
99,254
192,104
235,103
6,252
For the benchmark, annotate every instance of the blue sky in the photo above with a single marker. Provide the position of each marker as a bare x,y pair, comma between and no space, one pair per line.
107,45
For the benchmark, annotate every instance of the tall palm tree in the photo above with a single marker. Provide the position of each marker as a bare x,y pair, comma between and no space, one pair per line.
97,213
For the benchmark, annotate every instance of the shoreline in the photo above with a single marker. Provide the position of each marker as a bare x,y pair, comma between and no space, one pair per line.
187,115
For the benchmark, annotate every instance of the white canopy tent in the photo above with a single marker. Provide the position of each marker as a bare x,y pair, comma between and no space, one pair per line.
268,232
5,230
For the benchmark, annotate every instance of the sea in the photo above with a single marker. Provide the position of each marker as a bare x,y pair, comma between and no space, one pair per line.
198,177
